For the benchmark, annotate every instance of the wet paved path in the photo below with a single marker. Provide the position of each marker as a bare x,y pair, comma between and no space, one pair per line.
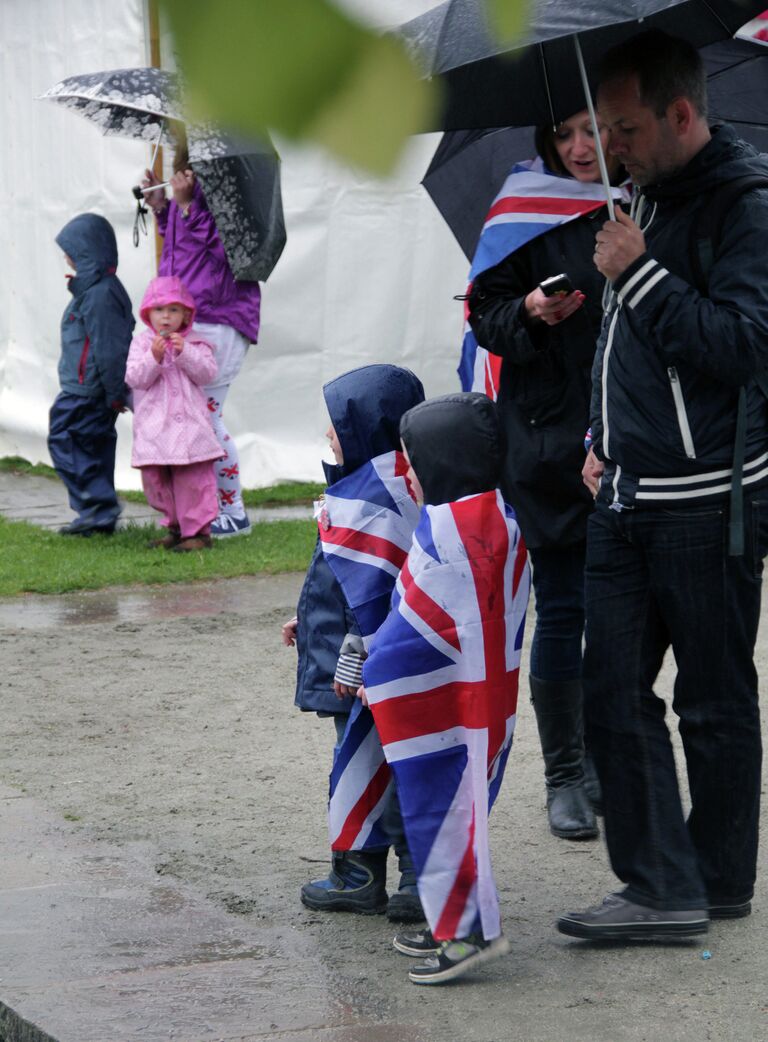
98,948
43,501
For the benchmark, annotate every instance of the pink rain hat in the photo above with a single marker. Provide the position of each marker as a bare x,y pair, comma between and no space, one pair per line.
167,289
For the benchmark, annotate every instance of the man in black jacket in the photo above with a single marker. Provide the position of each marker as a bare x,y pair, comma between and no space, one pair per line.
675,405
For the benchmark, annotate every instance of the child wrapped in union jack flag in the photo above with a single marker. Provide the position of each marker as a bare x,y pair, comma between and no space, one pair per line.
441,678
365,525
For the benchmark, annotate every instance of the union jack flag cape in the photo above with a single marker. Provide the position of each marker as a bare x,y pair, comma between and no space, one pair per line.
441,681
756,30
531,202
365,529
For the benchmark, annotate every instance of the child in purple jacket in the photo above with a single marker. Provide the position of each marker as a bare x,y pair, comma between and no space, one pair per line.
173,444
227,315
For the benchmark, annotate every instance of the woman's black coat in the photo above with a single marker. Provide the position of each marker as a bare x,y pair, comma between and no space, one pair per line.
545,378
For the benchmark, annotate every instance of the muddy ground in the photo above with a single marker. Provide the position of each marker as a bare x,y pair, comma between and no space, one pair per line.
166,716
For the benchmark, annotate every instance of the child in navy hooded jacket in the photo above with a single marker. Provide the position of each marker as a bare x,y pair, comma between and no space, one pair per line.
96,333
365,407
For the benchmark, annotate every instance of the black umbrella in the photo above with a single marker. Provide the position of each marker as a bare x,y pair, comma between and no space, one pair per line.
469,166
240,179
489,84
466,173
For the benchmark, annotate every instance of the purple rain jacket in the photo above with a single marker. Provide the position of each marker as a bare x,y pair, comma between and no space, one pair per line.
193,251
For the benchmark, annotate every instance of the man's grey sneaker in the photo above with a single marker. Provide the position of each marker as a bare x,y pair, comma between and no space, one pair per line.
618,919
734,911
416,943
226,525
455,958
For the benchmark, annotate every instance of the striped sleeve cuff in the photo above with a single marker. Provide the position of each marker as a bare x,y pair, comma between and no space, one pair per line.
349,670
638,280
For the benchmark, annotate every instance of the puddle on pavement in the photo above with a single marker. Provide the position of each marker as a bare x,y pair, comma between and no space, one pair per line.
132,606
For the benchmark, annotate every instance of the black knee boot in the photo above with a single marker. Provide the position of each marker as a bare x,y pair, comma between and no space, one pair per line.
558,708
404,905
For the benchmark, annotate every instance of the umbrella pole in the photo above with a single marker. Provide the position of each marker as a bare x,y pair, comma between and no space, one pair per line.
161,127
595,129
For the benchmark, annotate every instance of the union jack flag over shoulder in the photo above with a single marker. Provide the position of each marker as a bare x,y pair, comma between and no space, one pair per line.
442,680
366,532
531,202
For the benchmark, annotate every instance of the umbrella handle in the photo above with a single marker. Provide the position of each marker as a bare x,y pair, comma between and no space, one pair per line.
139,191
604,177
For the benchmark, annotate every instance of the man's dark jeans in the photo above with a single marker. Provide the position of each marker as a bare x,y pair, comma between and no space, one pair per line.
654,578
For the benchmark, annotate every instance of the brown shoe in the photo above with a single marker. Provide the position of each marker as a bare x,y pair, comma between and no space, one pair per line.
195,542
167,542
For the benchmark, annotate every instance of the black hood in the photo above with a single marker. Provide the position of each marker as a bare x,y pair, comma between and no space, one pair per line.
455,445
724,157
365,406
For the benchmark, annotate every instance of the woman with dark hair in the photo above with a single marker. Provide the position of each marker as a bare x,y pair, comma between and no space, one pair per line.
546,344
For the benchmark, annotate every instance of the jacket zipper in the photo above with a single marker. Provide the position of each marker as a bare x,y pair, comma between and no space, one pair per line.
682,415
83,360
604,377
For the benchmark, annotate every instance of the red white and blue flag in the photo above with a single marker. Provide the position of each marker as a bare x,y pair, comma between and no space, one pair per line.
531,202
366,527
756,30
441,681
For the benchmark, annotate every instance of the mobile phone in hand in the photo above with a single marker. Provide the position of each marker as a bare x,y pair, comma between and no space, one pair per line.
556,286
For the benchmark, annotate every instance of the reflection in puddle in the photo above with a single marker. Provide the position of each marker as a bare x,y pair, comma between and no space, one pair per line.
142,604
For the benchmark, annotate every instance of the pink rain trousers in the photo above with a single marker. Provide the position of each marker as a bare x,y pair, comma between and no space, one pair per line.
185,495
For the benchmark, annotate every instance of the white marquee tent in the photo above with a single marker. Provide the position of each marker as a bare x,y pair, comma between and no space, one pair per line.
368,273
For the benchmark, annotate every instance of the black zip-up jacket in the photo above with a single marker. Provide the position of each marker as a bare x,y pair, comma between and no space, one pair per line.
544,392
670,361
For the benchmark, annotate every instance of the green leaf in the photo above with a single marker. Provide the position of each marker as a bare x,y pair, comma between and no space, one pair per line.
382,102
507,18
303,68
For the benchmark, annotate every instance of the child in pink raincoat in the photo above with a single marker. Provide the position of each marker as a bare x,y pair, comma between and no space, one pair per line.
173,444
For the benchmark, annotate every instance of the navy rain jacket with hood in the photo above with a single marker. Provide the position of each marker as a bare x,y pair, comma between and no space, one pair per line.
97,324
670,361
365,407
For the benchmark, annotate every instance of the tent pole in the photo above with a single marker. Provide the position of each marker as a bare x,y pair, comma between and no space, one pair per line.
156,166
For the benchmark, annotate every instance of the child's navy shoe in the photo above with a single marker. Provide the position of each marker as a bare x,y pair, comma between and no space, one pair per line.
226,525
356,883
86,529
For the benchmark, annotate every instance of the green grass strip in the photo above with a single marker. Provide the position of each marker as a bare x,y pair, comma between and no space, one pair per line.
37,561
284,493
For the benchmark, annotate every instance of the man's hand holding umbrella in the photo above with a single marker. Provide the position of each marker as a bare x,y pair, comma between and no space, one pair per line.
617,245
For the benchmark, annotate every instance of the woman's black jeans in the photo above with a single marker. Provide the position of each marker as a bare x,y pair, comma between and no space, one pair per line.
655,578
558,585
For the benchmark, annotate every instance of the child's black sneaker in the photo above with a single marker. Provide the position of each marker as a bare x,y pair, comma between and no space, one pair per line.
404,905
417,943
455,958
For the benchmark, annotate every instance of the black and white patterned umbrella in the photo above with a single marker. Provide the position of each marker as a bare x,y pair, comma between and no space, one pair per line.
240,179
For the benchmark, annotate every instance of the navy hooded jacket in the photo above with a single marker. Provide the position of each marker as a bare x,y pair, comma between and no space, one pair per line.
365,407
670,361
97,324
